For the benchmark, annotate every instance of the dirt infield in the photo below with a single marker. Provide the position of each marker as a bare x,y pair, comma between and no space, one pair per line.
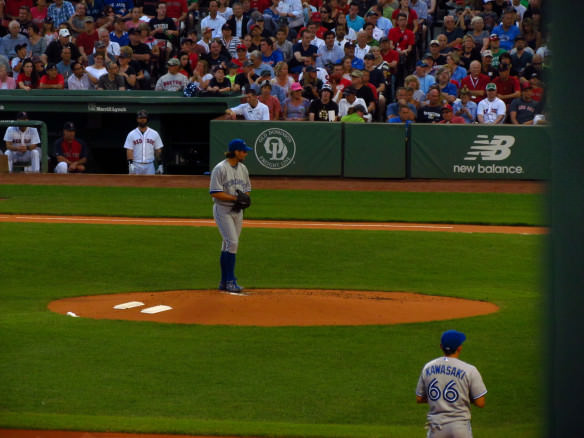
278,183
274,307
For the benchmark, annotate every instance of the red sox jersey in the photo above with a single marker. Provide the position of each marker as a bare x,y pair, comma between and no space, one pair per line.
143,144
73,151
27,137
449,385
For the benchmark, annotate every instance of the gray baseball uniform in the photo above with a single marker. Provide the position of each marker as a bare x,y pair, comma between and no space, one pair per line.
449,385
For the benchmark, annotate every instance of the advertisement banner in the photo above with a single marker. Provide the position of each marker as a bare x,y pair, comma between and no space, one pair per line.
481,152
375,150
282,148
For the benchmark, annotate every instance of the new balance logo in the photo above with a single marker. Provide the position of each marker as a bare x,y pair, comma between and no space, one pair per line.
496,149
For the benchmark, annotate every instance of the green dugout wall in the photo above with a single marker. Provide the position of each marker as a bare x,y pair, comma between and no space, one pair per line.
480,152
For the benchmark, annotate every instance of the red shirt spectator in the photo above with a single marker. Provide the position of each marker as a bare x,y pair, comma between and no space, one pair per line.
402,39
12,7
412,17
87,41
175,8
508,87
260,5
58,80
475,82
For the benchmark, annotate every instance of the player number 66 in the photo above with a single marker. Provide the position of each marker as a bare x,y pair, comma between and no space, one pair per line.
450,394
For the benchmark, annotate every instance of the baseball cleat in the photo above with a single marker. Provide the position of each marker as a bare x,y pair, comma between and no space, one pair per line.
233,287
221,285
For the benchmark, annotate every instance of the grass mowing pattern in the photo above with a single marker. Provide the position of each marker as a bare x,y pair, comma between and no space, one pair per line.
315,381
471,208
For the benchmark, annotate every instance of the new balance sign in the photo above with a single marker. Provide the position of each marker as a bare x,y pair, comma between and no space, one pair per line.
497,148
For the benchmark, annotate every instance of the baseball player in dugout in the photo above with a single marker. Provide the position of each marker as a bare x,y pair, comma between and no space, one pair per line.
22,146
144,148
449,386
230,188
71,151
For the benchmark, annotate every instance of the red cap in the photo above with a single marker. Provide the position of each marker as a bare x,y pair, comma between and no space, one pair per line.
316,16
241,46
447,107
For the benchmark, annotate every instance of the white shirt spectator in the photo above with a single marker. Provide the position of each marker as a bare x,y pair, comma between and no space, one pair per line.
75,83
490,110
96,72
326,56
260,112
214,24
361,52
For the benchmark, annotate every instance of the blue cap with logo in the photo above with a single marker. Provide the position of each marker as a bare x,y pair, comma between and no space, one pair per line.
238,144
451,340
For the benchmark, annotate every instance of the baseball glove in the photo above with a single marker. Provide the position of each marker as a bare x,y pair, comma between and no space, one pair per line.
243,201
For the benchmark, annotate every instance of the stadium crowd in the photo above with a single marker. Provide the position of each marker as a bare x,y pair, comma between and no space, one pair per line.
321,60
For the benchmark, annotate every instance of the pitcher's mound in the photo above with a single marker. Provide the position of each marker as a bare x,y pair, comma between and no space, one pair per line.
272,307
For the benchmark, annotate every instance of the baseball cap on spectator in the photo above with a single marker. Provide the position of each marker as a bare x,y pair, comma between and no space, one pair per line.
371,14
295,86
174,61
359,108
99,44
309,69
238,144
464,90
326,87
446,107
421,64
208,29
369,56
266,84
357,74
316,17
266,72
225,27
494,37
255,15
383,39
241,47
36,59
248,63
434,43
253,26
451,340
491,87
64,33
487,53
457,46
89,19
22,116
69,126
51,66
349,90
349,44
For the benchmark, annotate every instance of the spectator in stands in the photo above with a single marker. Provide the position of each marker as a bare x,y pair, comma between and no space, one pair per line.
495,49
487,65
350,100
173,80
12,39
404,42
448,91
258,64
469,52
21,55
22,146
295,107
458,72
113,80
532,36
448,116
536,67
421,73
453,32
418,96
361,48
412,16
79,80
356,114
213,20
87,39
270,101
432,111
475,82
77,20
508,87
492,110
36,42
39,12
269,55
129,69
71,151
185,64
119,34
205,41
216,56
6,82
283,44
253,109
201,75
245,79
230,42
400,99
507,30
377,78
437,57
241,57
363,91
354,20
323,109
55,48
135,19
141,55
60,12
64,66
522,110
27,78
356,63
329,53
478,32
301,50
164,30
96,70
219,84
122,8
111,48
521,56
238,21
311,84
282,81
39,66
404,115
341,37
465,107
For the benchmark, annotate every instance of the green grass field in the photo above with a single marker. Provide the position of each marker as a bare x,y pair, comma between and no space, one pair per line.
64,373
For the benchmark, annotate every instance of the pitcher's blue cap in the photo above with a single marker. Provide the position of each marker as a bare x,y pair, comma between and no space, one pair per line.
451,340
237,144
